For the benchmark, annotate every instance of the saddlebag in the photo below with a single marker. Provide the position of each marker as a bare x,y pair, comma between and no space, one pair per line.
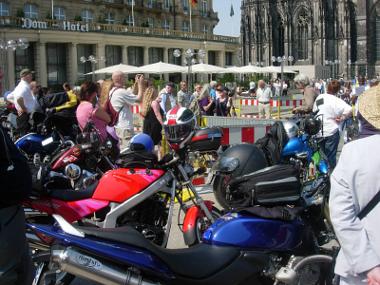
274,185
207,139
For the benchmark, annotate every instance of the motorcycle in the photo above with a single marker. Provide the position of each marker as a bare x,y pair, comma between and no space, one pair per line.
238,168
239,248
141,197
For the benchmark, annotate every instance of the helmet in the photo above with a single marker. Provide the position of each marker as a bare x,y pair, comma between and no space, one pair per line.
179,126
291,129
141,142
312,126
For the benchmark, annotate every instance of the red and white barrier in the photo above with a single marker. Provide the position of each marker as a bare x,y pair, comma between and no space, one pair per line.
273,103
249,134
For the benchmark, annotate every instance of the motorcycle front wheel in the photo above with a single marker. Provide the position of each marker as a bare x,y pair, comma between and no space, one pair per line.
202,224
229,198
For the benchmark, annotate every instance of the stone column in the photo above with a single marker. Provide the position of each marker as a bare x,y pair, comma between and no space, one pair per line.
166,60
10,76
222,58
146,55
100,53
124,54
73,63
41,66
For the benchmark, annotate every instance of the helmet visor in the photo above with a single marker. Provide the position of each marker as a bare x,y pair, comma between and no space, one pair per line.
178,133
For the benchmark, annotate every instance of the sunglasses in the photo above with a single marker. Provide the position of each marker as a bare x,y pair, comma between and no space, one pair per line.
220,90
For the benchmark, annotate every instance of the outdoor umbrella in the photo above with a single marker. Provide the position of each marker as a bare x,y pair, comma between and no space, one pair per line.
276,69
159,68
111,69
249,69
206,68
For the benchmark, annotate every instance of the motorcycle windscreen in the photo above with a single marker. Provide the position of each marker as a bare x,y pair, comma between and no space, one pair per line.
121,184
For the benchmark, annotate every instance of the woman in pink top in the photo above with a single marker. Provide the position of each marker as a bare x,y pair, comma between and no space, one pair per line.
88,110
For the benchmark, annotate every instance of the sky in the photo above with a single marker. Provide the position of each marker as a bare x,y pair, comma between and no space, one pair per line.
227,26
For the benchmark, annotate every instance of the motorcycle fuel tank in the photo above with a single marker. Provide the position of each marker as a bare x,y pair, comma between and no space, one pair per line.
253,232
35,143
120,184
295,146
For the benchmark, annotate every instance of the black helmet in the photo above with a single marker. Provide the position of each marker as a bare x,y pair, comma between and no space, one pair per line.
312,126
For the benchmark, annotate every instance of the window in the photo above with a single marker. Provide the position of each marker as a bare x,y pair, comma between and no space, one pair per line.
185,4
172,59
110,18
212,57
150,22
4,9
166,24
24,58
156,55
87,16
167,4
185,26
59,13
129,21
136,56
130,2
56,63
152,3
31,11
204,9
228,58
83,68
205,29
302,35
113,55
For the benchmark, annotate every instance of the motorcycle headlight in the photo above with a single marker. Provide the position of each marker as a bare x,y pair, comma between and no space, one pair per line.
226,165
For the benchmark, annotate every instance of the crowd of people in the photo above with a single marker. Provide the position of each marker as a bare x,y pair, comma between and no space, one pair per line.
108,105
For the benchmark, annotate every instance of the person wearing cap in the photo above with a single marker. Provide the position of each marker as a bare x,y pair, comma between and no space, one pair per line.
252,89
25,102
168,100
354,182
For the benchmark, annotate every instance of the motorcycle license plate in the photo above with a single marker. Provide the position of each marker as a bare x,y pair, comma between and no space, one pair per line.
47,141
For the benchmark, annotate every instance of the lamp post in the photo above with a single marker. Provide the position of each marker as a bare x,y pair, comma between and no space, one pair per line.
10,45
190,60
282,60
93,60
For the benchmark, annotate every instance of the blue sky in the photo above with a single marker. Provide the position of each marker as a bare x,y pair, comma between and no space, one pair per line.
227,26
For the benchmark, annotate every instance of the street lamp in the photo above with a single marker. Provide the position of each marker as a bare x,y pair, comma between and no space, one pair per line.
91,58
190,60
10,45
282,60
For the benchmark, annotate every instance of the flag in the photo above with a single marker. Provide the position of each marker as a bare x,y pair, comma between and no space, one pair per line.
193,2
232,11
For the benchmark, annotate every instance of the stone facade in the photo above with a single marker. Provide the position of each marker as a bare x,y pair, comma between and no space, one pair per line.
337,37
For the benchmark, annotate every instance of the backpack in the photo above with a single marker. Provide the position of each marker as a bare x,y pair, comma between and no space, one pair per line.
15,175
111,110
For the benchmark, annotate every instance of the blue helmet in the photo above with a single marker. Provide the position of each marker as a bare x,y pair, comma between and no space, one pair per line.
141,142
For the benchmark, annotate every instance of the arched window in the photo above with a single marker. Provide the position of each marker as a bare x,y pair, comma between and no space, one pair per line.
30,11
204,7
302,35
87,16
59,13
4,9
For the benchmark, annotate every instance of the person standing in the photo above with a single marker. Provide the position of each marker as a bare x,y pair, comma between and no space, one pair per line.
212,91
221,109
354,183
16,185
332,111
302,83
168,100
25,102
122,101
263,95
183,96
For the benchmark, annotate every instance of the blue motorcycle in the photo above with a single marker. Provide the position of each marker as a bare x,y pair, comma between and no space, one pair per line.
259,245
290,149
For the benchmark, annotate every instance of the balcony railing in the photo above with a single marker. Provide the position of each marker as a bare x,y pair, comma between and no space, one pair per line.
75,26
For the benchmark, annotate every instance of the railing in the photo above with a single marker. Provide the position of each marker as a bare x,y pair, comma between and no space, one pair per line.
77,26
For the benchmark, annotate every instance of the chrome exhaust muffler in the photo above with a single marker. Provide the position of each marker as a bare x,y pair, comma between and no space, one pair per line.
80,264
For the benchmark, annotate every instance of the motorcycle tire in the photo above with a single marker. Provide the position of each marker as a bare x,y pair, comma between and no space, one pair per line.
227,200
202,224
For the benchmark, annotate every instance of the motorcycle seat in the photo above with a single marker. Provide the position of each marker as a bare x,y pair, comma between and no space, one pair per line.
73,195
197,262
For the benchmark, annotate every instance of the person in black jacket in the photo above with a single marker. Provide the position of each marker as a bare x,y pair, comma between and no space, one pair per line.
16,181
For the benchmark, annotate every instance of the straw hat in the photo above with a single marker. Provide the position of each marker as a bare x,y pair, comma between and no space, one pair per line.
369,106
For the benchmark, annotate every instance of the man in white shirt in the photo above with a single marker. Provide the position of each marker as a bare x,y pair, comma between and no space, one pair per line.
168,100
24,101
183,95
331,110
263,95
122,101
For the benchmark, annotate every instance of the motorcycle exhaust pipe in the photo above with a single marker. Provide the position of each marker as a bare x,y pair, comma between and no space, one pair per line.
288,275
79,264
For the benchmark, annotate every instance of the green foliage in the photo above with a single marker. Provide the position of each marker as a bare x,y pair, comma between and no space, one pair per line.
78,18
